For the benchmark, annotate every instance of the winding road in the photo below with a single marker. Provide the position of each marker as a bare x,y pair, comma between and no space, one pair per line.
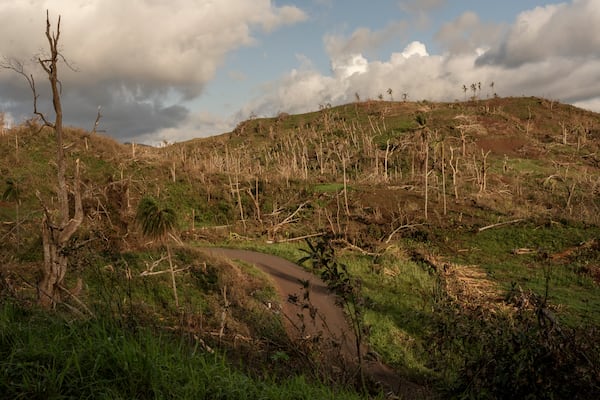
330,321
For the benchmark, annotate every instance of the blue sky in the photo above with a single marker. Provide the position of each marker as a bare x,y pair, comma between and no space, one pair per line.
178,69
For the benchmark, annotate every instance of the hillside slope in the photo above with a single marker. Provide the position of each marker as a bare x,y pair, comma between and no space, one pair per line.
457,218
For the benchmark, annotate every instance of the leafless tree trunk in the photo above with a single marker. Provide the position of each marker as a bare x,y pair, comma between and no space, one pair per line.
385,164
345,186
425,139
454,166
444,179
172,270
484,170
565,132
57,227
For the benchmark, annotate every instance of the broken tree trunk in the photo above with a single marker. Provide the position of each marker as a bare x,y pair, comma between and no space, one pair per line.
55,240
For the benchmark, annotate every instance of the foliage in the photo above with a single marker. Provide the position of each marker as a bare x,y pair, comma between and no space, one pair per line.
526,355
321,256
42,356
12,191
264,170
156,221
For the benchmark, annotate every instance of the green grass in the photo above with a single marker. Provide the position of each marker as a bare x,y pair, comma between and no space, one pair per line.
328,187
575,294
399,299
398,295
45,357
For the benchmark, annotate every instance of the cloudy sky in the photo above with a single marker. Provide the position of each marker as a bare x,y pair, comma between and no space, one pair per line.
178,69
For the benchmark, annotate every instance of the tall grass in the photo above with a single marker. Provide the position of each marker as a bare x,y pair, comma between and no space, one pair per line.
45,357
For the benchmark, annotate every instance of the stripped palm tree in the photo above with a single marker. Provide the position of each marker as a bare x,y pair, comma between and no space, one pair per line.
157,223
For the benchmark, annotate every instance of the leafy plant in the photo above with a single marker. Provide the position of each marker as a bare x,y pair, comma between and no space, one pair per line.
157,222
321,256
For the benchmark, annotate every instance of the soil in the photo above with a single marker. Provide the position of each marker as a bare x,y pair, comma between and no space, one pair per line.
330,321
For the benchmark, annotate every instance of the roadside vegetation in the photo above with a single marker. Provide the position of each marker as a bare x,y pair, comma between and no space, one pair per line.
472,229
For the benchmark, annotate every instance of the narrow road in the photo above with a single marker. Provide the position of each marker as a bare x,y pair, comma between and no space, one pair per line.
330,321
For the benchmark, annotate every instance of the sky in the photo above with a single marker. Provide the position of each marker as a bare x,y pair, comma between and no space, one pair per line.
172,70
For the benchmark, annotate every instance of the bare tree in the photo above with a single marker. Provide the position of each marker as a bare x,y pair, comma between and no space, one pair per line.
58,226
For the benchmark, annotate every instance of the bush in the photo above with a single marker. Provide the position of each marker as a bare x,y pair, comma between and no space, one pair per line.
525,355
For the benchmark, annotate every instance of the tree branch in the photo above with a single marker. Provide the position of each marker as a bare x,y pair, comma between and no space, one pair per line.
18,67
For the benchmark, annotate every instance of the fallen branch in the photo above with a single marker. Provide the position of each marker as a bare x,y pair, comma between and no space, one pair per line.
514,221
289,219
355,247
150,273
398,229
296,238
154,264
522,251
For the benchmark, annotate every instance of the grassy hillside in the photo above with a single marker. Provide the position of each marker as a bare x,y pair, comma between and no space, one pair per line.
473,227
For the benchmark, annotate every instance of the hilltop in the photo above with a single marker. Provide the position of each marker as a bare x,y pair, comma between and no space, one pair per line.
473,228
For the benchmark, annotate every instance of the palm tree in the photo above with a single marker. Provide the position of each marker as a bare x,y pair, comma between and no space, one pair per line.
465,91
389,91
156,223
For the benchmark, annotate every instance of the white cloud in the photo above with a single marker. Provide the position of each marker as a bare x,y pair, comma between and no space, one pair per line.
136,56
590,104
542,54
142,59
414,49
350,65
194,125
562,30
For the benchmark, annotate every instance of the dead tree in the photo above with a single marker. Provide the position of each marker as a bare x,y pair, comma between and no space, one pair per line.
58,226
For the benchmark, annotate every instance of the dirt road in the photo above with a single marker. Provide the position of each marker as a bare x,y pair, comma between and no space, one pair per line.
330,320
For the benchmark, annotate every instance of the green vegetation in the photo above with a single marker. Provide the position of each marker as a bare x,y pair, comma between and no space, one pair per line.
46,356
328,187
494,290
571,285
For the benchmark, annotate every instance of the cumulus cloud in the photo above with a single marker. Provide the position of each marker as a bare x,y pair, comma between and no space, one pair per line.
561,30
540,54
142,60
305,89
139,58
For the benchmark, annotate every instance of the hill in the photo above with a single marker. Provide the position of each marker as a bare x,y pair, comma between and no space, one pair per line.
472,227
